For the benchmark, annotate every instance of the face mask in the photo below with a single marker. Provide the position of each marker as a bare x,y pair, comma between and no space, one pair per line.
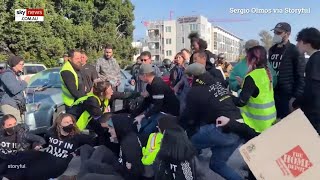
277,39
68,129
10,130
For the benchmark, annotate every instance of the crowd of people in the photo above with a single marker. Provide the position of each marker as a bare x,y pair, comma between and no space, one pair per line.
162,138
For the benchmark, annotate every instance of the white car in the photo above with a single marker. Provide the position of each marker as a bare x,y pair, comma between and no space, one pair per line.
31,69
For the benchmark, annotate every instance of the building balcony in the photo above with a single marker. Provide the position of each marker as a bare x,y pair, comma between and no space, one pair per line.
154,38
155,51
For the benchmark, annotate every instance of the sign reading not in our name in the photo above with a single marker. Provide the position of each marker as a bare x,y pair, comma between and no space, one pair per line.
29,15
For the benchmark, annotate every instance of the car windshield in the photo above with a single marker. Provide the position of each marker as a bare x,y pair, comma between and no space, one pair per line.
47,78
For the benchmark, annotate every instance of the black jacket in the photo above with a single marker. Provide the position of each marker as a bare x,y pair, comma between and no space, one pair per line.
291,71
207,100
89,73
130,148
215,73
210,55
179,170
21,140
162,97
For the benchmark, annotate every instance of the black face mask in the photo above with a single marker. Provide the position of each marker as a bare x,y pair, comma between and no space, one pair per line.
68,129
10,130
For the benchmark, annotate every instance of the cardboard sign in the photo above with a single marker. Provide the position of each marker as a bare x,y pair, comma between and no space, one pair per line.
289,150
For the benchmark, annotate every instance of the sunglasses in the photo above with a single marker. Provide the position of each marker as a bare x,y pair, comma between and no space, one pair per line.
278,32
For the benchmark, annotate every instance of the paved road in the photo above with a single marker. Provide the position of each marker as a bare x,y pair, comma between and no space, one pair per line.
235,161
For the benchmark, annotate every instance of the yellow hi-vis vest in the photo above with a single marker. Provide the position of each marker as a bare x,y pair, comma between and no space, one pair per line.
149,153
85,117
260,112
68,99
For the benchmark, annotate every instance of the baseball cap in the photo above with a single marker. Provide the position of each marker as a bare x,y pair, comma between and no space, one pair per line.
282,26
195,69
145,68
251,43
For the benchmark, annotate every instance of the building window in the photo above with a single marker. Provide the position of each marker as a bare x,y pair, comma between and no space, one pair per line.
182,39
215,45
168,41
168,28
169,53
215,35
194,27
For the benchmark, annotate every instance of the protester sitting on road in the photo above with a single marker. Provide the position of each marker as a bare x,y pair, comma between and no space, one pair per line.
13,100
309,42
63,139
256,98
177,156
160,98
14,139
93,106
240,70
127,163
207,100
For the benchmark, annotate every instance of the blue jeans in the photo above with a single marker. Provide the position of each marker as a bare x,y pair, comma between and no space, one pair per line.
149,125
222,146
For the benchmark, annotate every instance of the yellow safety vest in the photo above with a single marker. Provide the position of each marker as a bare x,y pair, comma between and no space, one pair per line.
260,112
68,99
85,117
151,150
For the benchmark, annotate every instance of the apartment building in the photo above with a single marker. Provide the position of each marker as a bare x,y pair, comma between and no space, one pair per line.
226,42
166,38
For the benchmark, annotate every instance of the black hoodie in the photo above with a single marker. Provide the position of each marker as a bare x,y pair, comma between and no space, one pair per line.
130,148
21,140
207,100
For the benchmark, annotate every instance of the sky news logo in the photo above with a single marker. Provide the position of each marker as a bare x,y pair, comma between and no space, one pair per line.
30,15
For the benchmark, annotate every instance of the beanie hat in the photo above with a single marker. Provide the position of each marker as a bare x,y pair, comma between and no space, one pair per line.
195,69
14,60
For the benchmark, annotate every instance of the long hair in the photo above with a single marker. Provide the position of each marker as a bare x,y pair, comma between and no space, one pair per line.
195,37
56,125
100,87
175,146
257,58
181,55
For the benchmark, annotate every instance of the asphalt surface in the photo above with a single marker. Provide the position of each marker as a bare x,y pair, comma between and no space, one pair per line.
235,162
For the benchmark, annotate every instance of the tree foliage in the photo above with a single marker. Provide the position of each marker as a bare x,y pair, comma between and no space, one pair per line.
266,39
68,24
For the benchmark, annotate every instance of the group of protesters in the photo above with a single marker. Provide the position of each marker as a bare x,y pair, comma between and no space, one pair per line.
163,136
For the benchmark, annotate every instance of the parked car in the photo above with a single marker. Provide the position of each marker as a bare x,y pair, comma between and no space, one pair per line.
29,69
44,98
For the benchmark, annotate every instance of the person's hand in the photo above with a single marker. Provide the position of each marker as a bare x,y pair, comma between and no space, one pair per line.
240,80
145,94
27,79
128,165
291,108
37,148
133,82
138,119
222,121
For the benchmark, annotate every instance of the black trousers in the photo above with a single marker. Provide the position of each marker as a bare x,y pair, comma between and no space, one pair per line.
36,165
97,161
